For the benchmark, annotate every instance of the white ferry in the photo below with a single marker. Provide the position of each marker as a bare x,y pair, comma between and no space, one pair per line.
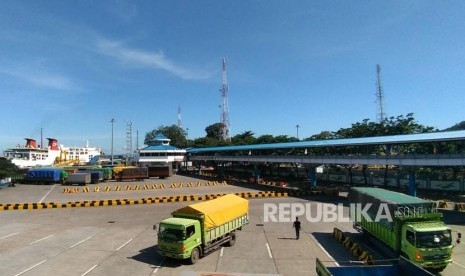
31,155
79,154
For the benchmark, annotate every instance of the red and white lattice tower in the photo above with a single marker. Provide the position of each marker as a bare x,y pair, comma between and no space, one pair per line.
225,106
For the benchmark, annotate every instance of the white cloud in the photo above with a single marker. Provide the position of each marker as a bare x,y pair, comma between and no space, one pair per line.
41,78
155,60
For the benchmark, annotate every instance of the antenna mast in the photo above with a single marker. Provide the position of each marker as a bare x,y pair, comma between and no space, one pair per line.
179,117
225,107
381,115
128,140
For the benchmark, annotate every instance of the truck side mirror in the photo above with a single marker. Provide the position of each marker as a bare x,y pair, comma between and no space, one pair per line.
154,227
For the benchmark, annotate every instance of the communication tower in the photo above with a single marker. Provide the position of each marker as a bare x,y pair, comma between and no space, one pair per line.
128,140
224,106
381,115
137,140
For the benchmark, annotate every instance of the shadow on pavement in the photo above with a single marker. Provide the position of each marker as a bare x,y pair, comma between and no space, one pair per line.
453,217
334,248
150,256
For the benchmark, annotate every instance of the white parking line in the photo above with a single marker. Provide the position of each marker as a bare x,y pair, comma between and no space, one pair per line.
80,242
157,267
269,250
26,270
40,201
42,239
123,245
462,266
324,250
221,252
7,236
89,270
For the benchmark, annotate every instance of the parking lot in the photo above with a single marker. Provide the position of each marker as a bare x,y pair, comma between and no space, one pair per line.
120,240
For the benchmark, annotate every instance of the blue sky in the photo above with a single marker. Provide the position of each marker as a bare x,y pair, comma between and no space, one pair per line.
70,66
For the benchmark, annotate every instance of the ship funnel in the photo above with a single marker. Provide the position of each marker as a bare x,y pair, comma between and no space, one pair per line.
53,144
31,143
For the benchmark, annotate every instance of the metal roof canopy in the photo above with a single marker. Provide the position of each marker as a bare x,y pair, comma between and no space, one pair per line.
160,148
378,140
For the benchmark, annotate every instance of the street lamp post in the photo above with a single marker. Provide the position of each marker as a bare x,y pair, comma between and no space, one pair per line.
112,122
297,127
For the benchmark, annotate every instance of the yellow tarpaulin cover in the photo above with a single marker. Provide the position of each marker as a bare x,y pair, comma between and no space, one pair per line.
218,211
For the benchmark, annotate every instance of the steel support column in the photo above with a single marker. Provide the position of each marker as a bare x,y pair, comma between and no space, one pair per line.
412,183
256,172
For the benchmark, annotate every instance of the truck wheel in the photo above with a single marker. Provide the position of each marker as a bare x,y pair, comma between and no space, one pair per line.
439,269
194,255
232,239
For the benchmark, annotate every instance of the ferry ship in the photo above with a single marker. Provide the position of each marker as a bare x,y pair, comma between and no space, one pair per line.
30,155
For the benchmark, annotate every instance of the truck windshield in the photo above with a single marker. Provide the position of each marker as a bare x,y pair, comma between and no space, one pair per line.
171,234
433,239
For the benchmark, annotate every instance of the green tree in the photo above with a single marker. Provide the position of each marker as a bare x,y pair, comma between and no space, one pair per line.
215,131
324,135
265,139
245,138
7,168
173,132
458,126
285,139
204,142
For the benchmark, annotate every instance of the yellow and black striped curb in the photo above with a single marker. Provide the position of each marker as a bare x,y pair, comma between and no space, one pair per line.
154,200
118,188
442,204
457,206
460,207
354,248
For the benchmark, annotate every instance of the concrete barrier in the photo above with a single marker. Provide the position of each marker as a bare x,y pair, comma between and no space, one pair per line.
116,202
442,204
354,248
459,207
248,195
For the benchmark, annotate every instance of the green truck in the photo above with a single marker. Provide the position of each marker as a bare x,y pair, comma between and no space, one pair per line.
198,229
409,226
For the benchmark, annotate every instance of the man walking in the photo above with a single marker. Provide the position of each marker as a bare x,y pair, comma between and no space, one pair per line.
296,226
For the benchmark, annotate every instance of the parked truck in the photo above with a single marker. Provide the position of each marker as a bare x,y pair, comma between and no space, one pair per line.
46,175
160,171
409,226
198,229
131,173
79,178
400,267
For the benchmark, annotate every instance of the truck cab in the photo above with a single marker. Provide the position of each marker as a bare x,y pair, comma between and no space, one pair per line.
178,236
428,244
